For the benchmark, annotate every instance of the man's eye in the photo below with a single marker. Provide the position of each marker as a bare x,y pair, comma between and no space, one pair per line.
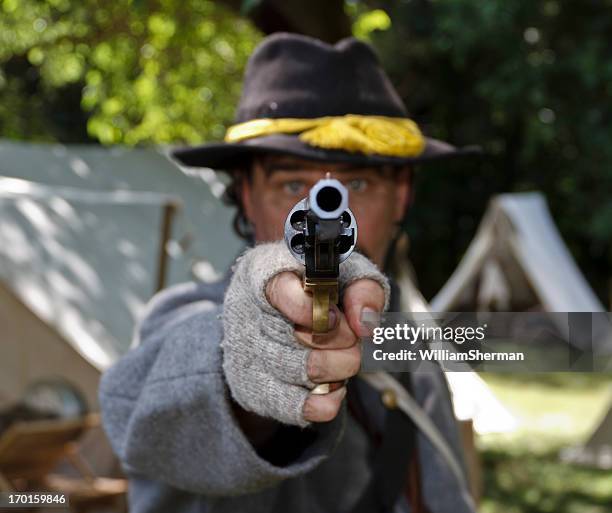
294,187
357,185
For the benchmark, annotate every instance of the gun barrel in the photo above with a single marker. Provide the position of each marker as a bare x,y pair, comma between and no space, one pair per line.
328,199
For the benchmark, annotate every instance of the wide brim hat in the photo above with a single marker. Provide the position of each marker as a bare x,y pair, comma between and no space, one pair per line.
322,102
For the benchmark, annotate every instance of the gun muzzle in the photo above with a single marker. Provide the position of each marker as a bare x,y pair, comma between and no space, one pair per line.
328,199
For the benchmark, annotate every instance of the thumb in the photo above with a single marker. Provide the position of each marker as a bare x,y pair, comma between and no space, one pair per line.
360,295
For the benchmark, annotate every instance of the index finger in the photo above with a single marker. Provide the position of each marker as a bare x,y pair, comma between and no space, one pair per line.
360,295
286,293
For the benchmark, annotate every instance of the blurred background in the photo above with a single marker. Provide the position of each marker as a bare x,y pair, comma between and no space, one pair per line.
95,218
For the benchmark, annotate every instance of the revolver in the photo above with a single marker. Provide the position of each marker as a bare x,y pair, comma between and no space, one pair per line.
321,232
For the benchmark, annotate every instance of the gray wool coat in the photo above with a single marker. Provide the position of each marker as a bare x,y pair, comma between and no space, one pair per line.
166,410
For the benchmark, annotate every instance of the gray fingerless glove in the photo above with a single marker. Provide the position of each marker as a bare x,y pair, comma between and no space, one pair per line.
264,365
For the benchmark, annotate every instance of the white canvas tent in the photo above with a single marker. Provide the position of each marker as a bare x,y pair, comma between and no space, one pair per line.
472,399
517,261
82,247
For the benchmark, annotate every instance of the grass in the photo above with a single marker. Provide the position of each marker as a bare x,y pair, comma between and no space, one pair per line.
522,470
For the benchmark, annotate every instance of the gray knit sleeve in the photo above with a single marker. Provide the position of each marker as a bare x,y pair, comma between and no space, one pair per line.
166,408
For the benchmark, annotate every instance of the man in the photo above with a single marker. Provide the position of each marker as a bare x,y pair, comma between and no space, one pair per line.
213,410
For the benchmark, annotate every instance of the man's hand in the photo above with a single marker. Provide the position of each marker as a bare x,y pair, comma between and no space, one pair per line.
271,360
335,355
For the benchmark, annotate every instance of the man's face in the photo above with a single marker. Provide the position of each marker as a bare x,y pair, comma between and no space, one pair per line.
377,197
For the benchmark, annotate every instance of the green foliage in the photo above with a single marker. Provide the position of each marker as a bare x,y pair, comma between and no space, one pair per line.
134,73
528,483
529,81
369,21
532,83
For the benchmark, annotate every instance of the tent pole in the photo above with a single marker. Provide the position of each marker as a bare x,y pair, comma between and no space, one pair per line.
166,231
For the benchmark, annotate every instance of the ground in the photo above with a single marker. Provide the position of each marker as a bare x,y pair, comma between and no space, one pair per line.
522,470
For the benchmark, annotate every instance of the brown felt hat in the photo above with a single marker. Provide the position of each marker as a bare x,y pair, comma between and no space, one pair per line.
295,76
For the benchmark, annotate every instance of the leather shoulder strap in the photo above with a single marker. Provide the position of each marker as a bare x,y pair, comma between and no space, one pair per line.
395,450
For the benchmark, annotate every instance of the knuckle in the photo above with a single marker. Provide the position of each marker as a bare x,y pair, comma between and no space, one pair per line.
309,409
351,337
347,339
380,298
373,290
302,337
328,410
368,286
315,365
378,290
354,362
325,410
272,290
320,409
